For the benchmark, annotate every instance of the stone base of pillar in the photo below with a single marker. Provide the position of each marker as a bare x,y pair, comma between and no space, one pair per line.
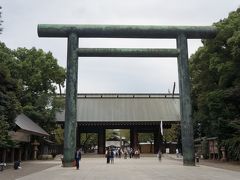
187,163
67,164
101,150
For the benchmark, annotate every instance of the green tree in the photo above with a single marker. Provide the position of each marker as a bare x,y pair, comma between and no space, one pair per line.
9,88
9,104
215,77
172,134
59,135
4,137
1,20
88,141
39,74
29,81
111,133
144,137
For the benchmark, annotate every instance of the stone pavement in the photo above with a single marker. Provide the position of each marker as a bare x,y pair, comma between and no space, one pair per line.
234,166
28,167
146,168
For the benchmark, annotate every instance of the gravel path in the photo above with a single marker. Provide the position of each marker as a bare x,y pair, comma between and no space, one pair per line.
234,166
27,167
147,167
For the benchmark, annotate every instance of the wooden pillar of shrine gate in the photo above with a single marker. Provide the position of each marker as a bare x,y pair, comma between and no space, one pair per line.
101,141
158,139
78,136
20,154
181,33
133,138
12,154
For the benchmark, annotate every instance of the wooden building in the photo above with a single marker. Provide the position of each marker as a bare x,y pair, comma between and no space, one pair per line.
24,149
141,113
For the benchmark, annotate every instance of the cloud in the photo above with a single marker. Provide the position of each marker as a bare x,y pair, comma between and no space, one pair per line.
111,74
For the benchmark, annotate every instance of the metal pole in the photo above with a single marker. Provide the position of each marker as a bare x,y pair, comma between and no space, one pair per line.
185,102
71,103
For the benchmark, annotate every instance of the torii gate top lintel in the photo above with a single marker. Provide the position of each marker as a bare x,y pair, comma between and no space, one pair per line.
126,31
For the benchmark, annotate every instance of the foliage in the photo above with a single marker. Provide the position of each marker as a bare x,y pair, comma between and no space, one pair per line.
9,104
233,144
39,72
4,138
172,134
110,133
59,135
88,141
145,137
28,83
9,87
215,77
0,21
125,133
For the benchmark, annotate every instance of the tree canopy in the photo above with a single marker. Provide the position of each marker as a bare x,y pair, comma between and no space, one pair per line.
9,104
215,77
28,84
0,20
39,74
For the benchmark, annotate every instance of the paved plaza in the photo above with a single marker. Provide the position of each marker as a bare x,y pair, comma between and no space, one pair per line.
146,168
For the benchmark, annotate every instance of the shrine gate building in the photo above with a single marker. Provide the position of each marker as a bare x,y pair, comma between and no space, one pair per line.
140,113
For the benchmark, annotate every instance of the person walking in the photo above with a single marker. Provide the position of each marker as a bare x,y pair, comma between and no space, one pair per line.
108,155
177,153
125,154
159,155
78,156
112,156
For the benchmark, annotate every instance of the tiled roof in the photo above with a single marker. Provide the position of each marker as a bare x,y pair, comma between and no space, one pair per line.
137,108
29,126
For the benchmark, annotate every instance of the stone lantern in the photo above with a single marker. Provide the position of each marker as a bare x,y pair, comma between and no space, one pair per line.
35,149
223,154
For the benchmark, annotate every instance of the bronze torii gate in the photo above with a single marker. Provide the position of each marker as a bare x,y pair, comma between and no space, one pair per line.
180,33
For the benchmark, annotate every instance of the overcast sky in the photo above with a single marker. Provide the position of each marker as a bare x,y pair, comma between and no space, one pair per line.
111,75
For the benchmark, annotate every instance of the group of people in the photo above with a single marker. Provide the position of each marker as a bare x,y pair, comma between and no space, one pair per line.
132,153
111,153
